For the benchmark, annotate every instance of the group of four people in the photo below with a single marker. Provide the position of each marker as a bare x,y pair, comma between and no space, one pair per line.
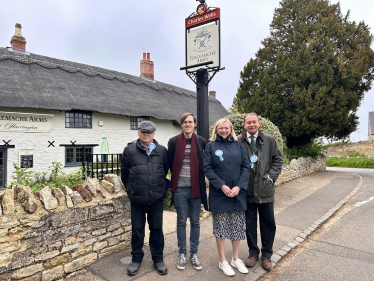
241,172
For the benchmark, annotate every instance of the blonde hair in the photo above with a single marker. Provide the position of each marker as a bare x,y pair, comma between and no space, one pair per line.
218,124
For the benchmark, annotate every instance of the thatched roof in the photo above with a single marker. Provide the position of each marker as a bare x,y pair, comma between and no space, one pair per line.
34,81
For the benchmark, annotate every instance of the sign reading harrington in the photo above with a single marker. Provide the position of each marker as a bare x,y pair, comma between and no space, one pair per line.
25,122
203,38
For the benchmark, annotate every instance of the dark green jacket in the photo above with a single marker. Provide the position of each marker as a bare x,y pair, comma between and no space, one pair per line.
270,161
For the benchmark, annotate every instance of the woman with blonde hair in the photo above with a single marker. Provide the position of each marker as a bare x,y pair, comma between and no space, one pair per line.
226,166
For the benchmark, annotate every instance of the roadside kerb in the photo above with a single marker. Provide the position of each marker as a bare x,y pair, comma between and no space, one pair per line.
288,247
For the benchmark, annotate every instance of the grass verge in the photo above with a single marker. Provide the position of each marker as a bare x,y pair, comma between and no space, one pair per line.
350,163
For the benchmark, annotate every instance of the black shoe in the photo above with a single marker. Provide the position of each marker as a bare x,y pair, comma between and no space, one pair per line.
133,268
161,268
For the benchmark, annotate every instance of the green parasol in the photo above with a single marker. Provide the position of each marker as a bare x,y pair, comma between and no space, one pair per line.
104,146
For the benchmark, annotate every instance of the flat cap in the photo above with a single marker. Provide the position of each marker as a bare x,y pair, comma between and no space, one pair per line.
147,126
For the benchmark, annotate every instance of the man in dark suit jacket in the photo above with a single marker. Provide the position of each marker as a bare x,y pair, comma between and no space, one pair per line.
266,165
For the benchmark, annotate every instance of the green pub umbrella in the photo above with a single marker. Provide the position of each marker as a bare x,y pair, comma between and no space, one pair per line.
104,147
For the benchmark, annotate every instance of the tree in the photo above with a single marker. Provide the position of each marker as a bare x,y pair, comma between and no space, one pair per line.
311,73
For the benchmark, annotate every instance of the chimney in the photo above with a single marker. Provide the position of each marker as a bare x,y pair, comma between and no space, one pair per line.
212,94
18,41
147,67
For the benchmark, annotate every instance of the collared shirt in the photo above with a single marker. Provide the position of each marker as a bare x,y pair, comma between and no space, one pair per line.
249,136
255,138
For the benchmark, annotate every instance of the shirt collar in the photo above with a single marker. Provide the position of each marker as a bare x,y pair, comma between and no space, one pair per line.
249,136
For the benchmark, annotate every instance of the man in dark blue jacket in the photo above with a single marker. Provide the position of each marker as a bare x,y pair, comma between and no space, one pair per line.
144,167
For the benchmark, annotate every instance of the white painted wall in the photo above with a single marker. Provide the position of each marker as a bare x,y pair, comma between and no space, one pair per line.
116,127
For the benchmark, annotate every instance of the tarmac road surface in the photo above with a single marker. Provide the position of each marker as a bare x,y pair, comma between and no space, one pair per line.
343,248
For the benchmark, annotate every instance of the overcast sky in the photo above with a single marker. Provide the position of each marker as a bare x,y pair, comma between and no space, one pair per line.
114,34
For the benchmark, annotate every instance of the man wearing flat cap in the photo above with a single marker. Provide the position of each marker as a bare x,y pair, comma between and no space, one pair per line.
144,167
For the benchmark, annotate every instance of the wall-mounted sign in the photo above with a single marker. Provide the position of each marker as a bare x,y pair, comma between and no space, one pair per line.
25,122
26,158
203,38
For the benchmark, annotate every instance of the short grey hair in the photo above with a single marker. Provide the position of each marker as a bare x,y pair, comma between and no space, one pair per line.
251,113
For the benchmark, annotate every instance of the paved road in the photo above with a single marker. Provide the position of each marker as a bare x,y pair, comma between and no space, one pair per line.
343,249
301,206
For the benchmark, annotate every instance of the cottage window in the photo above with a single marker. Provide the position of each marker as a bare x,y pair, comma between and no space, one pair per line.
135,121
74,154
78,119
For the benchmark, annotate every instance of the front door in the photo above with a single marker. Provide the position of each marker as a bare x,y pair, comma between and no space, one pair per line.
2,168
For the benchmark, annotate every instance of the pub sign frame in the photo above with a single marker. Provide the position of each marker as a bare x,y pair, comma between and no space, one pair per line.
203,17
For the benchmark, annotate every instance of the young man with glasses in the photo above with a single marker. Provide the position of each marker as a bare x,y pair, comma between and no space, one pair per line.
188,185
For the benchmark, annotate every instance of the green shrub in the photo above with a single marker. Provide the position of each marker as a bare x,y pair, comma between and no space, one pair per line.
310,149
21,176
349,163
356,155
237,120
37,181
167,201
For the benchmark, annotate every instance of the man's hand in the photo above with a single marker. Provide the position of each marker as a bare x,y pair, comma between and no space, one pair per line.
226,190
235,191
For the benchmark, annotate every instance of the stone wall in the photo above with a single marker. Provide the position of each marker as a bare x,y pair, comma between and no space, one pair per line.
362,147
53,234
301,167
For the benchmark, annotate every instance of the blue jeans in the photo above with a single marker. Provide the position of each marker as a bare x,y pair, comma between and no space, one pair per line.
185,205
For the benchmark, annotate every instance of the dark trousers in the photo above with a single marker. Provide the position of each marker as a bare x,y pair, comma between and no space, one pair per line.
156,237
267,228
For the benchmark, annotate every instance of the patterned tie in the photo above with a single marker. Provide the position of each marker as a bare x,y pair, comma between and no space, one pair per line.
253,144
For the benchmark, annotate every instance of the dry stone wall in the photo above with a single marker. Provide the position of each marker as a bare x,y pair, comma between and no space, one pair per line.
362,147
301,167
55,233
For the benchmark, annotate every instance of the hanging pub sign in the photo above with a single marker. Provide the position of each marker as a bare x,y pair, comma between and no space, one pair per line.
203,38
25,122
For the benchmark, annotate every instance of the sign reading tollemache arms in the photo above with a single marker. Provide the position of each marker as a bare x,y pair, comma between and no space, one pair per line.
25,122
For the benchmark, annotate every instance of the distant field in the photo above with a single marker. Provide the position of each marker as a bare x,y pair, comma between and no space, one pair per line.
349,163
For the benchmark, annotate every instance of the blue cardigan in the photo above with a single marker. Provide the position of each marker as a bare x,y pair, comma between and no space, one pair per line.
232,171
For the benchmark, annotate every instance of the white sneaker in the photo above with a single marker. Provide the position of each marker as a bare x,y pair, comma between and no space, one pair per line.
226,268
239,265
